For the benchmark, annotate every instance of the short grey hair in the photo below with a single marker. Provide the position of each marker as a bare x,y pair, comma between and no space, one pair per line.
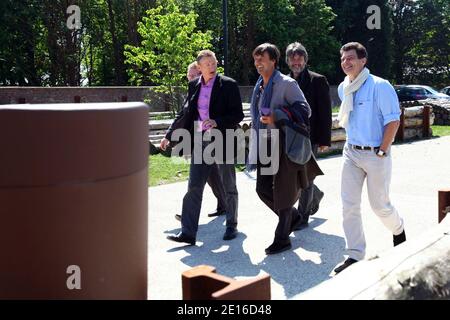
296,48
205,53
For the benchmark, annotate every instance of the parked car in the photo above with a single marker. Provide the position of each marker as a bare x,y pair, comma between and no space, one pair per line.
418,92
445,90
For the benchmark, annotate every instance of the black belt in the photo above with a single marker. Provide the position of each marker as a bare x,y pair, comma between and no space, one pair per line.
363,147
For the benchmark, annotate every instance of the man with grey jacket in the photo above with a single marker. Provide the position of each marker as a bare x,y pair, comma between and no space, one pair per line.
278,190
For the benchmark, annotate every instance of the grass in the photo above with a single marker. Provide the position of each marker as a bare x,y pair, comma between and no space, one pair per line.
440,131
164,170
335,109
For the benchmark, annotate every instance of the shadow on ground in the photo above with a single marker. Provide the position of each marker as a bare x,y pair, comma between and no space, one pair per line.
287,268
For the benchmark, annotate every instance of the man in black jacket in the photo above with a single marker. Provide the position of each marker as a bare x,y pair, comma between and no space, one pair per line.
214,101
317,92
214,179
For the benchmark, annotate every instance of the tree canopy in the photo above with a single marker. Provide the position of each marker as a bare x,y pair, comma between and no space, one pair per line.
37,48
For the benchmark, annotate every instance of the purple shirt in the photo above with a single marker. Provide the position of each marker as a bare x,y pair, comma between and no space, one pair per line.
203,100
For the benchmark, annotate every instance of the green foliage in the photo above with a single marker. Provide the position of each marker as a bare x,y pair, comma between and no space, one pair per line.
169,44
37,48
315,31
422,42
351,25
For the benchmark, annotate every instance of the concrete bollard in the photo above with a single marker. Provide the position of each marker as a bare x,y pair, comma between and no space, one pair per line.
73,201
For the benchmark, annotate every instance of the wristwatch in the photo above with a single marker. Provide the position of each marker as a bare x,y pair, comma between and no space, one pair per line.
381,153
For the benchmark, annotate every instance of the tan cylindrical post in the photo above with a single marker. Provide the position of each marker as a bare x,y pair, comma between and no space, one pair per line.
73,201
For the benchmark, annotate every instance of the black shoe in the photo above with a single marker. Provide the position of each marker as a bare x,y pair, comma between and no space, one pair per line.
347,263
277,248
399,238
315,206
296,223
217,213
230,233
178,217
181,237
302,225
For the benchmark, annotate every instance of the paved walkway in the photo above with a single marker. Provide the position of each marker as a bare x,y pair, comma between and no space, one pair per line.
419,170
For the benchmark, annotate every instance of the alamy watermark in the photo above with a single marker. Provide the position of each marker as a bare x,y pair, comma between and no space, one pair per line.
74,20
74,280
213,146
374,21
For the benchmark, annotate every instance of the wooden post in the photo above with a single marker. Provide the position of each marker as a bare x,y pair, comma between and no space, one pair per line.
203,283
401,129
443,203
426,121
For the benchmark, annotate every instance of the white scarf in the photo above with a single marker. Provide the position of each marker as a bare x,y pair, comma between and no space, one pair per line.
349,89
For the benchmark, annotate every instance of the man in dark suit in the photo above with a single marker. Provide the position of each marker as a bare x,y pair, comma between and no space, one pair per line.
214,179
214,101
317,92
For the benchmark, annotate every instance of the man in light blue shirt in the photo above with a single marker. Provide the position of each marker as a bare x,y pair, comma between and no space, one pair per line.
370,114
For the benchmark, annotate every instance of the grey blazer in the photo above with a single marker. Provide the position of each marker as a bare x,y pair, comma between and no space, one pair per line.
286,91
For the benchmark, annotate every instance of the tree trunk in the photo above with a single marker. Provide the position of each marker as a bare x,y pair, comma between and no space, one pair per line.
118,61
249,35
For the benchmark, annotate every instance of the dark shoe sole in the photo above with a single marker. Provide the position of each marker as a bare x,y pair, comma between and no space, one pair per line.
178,217
347,263
230,236
216,214
182,239
315,207
278,250
301,226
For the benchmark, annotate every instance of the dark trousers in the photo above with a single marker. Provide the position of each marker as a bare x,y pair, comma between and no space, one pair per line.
192,201
308,195
265,191
216,184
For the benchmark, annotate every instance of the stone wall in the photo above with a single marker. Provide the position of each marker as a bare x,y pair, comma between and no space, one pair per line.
35,95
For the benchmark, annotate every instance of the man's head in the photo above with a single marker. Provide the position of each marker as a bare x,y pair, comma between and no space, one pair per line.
353,59
296,57
207,64
266,58
193,71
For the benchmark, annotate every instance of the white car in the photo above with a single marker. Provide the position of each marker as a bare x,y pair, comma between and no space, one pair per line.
445,90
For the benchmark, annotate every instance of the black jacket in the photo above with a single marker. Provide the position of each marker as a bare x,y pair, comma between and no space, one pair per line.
225,106
317,92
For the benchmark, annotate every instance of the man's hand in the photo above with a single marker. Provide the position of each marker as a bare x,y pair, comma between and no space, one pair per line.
323,148
267,119
209,123
164,144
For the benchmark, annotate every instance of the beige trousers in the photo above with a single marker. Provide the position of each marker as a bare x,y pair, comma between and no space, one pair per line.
359,165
